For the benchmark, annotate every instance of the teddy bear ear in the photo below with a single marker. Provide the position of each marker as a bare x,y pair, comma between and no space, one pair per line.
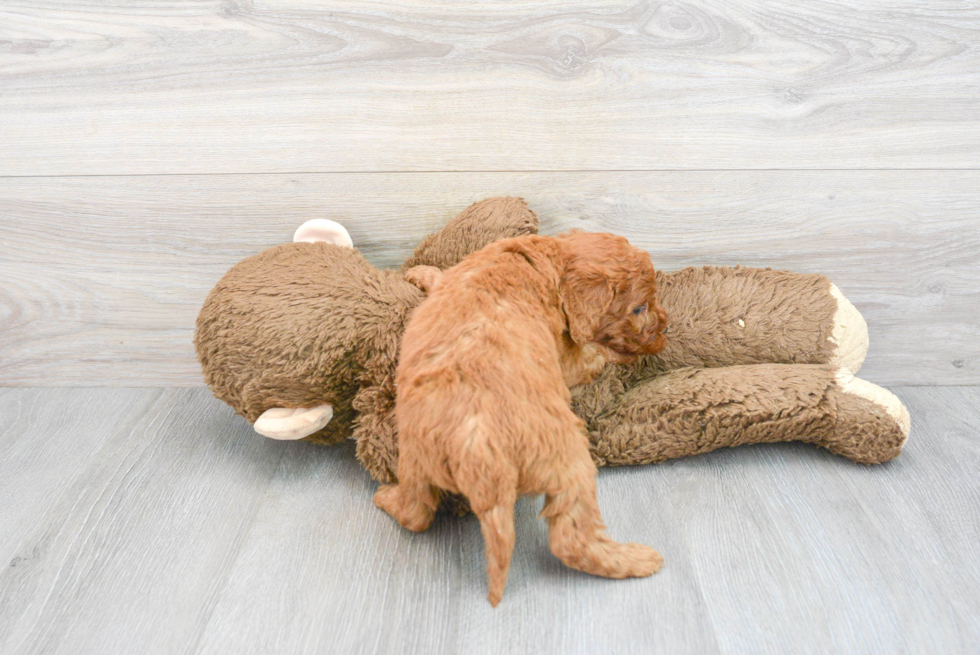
321,229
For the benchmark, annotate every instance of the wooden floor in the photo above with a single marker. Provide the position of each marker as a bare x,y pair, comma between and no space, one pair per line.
148,145
155,521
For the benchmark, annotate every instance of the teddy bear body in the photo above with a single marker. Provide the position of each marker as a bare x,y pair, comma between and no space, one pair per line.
753,355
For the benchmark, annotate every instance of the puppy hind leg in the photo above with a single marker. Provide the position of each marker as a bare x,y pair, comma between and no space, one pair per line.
412,504
576,533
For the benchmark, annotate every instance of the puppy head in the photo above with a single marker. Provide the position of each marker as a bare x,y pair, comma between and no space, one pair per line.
609,294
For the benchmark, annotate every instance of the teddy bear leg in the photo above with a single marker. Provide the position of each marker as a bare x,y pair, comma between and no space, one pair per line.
692,411
721,316
849,334
292,423
872,423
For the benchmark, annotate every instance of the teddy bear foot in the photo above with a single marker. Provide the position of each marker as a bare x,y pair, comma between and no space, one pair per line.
872,423
849,335
292,423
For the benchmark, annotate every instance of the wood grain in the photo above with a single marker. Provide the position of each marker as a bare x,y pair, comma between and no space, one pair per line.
103,277
870,559
353,580
49,440
128,507
155,521
233,86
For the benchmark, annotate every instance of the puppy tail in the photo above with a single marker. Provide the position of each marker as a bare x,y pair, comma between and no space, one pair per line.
497,526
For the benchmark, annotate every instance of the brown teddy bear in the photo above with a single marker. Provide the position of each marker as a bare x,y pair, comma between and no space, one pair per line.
302,339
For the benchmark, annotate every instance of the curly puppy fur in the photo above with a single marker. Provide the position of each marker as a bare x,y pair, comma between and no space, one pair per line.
483,406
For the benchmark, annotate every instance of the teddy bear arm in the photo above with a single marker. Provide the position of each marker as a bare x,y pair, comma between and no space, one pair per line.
721,316
477,226
697,410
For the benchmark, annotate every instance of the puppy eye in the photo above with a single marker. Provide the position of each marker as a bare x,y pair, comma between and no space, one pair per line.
639,309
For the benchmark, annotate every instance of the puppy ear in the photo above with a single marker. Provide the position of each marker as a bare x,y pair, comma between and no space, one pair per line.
540,253
587,294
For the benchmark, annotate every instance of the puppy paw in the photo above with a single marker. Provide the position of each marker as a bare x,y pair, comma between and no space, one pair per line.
424,277
643,561
409,512
611,559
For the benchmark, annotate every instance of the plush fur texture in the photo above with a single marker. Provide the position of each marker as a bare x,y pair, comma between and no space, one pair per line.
484,414
477,226
725,315
301,324
765,404
751,354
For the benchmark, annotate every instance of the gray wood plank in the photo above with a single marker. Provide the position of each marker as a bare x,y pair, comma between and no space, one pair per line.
802,552
792,551
103,277
48,440
129,553
323,568
936,485
561,610
177,530
97,87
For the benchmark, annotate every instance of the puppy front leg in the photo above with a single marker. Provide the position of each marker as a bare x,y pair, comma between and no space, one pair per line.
426,278
577,535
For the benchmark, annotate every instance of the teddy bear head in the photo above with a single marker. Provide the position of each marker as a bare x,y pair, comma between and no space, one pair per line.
290,336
